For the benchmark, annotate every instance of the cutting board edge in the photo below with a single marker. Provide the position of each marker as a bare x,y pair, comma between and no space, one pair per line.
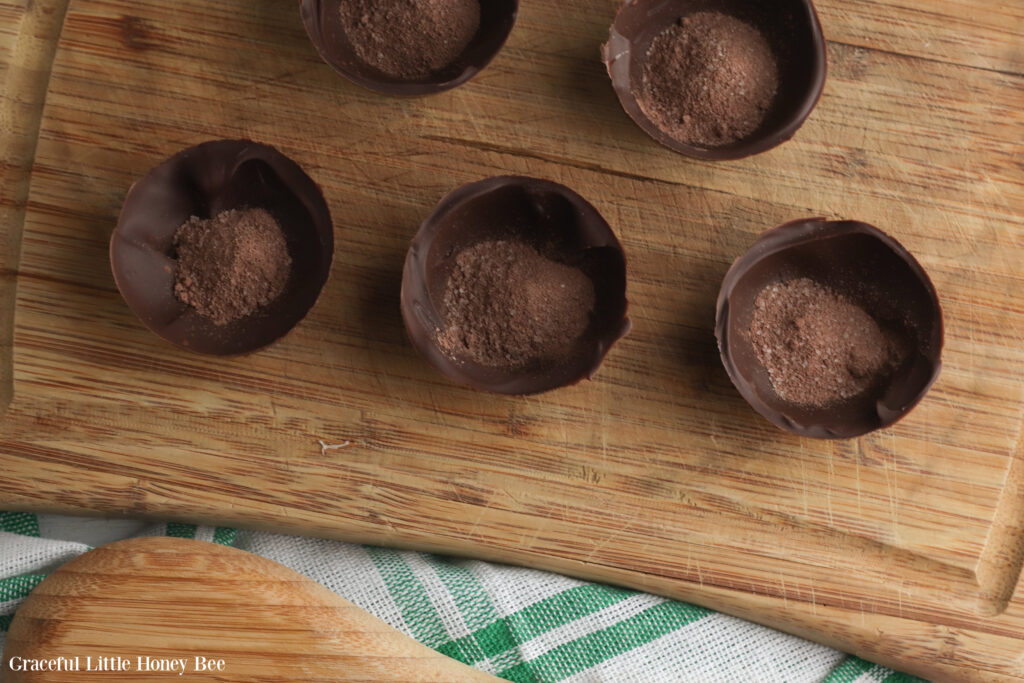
21,107
973,603
1002,558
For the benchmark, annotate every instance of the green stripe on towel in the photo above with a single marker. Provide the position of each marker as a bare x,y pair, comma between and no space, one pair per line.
590,650
410,596
225,535
176,530
17,587
490,637
24,523
848,671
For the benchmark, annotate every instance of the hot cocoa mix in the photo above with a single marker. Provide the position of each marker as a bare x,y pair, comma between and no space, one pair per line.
230,265
506,305
410,38
818,347
709,79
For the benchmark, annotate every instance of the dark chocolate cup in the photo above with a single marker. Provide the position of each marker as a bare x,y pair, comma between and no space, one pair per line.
561,225
322,19
791,28
869,267
204,181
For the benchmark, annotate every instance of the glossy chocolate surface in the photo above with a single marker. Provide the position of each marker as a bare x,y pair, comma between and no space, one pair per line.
791,28
204,181
867,266
322,19
562,226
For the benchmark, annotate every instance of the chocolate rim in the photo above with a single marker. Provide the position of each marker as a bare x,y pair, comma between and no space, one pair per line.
322,19
802,70
588,241
204,181
833,252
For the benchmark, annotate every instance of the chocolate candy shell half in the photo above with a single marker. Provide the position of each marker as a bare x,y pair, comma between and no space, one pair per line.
204,181
322,19
791,28
862,263
562,226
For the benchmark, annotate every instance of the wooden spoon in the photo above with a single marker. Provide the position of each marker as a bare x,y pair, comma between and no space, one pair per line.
219,613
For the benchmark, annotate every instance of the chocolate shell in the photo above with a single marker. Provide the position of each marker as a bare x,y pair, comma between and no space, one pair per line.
792,30
868,267
556,221
204,181
322,19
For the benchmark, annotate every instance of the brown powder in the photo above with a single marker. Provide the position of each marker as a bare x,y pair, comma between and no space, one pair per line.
230,265
709,79
410,38
506,305
818,347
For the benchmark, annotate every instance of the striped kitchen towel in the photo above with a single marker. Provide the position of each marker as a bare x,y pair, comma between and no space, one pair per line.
519,624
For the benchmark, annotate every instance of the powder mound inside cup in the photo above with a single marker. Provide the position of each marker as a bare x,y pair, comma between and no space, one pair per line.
230,265
708,79
819,347
506,305
410,38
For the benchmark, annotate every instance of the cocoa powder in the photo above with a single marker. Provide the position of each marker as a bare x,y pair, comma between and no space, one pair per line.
506,305
819,347
410,38
708,79
230,265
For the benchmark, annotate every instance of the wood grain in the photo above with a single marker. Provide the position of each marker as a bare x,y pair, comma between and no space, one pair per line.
127,610
655,475
28,40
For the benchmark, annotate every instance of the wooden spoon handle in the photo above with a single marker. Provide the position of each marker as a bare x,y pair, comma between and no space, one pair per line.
149,607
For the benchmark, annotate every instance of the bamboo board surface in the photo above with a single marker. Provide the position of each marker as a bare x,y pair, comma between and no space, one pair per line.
208,613
904,546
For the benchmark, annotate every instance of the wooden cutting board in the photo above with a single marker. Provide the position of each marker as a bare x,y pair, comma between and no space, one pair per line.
904,546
